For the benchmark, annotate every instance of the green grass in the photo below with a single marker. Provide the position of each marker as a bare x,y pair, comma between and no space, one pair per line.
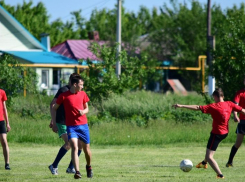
123,149
158,132
29,162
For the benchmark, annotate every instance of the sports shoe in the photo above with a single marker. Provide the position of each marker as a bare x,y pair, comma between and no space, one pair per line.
70,171
53,170
7,167
220,176
229,165
89,171
77,175
200,165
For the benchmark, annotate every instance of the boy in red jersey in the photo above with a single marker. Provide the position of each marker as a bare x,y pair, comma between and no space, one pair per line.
220,112
76,106
3,131
240,131
60,123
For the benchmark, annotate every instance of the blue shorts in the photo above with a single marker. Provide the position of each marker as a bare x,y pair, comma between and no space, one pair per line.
80,131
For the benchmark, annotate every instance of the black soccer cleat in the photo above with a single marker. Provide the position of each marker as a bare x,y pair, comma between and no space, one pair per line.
89,171
7,167
229,165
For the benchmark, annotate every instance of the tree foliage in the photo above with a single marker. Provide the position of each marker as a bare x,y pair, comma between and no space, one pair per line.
228,67
12,78
175,32
101,79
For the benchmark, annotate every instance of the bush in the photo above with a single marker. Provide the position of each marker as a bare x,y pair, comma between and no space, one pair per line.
134,107
142,106
12,78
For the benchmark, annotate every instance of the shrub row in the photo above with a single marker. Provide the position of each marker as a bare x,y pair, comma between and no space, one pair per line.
135,107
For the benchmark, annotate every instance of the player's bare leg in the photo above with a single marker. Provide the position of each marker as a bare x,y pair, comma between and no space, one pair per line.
209,158
4,143
88,156
5,146
75,159
234,149
239,140
74,151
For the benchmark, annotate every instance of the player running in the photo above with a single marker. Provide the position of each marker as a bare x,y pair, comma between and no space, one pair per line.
240,131
60,123
4,129
220,112
76,107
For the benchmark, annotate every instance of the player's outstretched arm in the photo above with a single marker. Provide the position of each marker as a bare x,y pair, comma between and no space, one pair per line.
191,107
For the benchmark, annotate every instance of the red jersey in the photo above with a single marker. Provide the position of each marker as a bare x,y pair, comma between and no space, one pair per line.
3,98
72,103
240,100
220,113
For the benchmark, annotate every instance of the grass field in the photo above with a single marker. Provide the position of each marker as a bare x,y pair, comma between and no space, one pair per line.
29,162
123,150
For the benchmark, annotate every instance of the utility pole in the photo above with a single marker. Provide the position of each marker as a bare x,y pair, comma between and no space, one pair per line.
118,65
210,47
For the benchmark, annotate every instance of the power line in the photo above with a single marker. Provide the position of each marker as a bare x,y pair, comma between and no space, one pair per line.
101,2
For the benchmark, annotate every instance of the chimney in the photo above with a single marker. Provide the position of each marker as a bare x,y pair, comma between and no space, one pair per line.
94,35
45,41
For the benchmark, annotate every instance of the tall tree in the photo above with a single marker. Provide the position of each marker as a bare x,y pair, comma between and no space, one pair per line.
228,67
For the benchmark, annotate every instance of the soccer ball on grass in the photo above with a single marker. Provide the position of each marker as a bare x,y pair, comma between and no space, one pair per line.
186,165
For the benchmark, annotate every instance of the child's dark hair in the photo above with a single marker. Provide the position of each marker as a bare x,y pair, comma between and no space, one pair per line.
73,74
75,79
218,92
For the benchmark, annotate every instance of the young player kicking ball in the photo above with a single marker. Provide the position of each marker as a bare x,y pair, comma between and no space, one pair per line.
220,112
76,106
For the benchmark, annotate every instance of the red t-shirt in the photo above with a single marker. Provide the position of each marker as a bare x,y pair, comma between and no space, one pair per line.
220,113
3,98
240,100
72,102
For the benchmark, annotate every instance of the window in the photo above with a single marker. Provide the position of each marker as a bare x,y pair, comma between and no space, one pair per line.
56,77
45,77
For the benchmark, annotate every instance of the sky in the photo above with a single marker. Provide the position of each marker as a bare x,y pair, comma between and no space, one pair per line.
62,8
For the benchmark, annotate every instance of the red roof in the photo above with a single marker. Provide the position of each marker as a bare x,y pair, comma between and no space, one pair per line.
76,49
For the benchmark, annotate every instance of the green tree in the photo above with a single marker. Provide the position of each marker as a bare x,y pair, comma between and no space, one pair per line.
101,79
228,67
12,78
133,25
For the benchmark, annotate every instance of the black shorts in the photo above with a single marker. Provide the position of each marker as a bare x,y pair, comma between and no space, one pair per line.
2,127
241,127
214,141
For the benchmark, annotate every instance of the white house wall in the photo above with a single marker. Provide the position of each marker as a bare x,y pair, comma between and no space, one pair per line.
11,38
65,74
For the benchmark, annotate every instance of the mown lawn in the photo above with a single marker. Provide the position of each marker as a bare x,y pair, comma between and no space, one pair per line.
29,162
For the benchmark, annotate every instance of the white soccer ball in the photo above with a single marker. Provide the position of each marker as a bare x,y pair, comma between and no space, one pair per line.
186,165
